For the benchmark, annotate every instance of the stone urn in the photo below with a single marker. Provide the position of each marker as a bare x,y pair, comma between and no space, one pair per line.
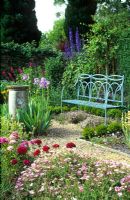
18,98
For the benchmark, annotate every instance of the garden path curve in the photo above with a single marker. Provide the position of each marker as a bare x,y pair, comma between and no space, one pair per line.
63,133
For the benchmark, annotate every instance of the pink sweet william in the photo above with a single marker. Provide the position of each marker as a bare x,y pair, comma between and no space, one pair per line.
3,140
22,149
70,145
24,143
45,148
14,161
26,162
14,135
55,145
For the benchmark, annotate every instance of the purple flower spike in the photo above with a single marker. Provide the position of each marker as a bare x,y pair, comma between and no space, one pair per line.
44,83
71,40
36,81
25,77
78,42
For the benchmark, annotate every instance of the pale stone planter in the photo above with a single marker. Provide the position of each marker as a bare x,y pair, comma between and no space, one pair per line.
18,98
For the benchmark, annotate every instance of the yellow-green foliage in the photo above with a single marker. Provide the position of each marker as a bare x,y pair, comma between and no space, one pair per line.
126,127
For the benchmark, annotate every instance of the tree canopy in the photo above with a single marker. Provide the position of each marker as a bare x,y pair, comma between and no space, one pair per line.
78,13
18,21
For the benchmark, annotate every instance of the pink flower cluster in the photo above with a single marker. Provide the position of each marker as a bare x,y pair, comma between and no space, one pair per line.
125,185
3,140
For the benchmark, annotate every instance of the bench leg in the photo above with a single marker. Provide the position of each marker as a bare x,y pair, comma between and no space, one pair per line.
61,106
105,117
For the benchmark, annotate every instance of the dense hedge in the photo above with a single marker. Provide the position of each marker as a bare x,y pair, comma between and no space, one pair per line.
16,55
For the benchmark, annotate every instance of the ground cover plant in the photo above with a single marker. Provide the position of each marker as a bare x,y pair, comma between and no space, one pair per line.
81,178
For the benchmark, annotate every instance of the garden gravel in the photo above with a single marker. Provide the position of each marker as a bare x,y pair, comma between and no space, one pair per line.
63,133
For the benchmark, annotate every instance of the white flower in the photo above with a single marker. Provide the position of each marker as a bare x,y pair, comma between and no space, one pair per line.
10,148
12,141
31,192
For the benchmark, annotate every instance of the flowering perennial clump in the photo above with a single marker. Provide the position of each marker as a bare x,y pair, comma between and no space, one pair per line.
43,82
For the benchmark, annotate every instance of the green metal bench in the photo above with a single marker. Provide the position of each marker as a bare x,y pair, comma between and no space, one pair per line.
97,91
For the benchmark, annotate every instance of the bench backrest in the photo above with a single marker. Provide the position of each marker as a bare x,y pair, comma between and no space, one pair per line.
102,88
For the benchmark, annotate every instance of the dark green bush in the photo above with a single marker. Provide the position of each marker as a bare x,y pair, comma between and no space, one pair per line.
88,132
114,127
74,108
101,129
54,69
19,55
57,109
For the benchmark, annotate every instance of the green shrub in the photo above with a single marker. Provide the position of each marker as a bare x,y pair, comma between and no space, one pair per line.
114,127
9,125
88,132
114,113
74,108
54,69
101,129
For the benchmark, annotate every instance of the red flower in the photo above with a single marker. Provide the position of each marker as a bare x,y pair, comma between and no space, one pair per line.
22,149
45,148
55,145
36,141
70,145
36,152
20,71
3,73
11,69
10,76
14,161
26,162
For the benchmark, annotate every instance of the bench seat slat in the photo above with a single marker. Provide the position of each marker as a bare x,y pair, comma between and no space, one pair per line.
90,104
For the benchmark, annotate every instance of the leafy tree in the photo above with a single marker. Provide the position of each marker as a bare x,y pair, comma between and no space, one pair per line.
78,14
57,35
105,43
18,21
111,25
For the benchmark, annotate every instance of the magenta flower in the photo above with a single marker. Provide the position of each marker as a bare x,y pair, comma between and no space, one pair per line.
22,149
26,162
24,143
3,140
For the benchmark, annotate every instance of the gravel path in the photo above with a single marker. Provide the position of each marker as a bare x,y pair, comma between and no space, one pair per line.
63,133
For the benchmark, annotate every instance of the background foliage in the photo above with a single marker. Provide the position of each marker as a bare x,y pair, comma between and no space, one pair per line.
18,21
